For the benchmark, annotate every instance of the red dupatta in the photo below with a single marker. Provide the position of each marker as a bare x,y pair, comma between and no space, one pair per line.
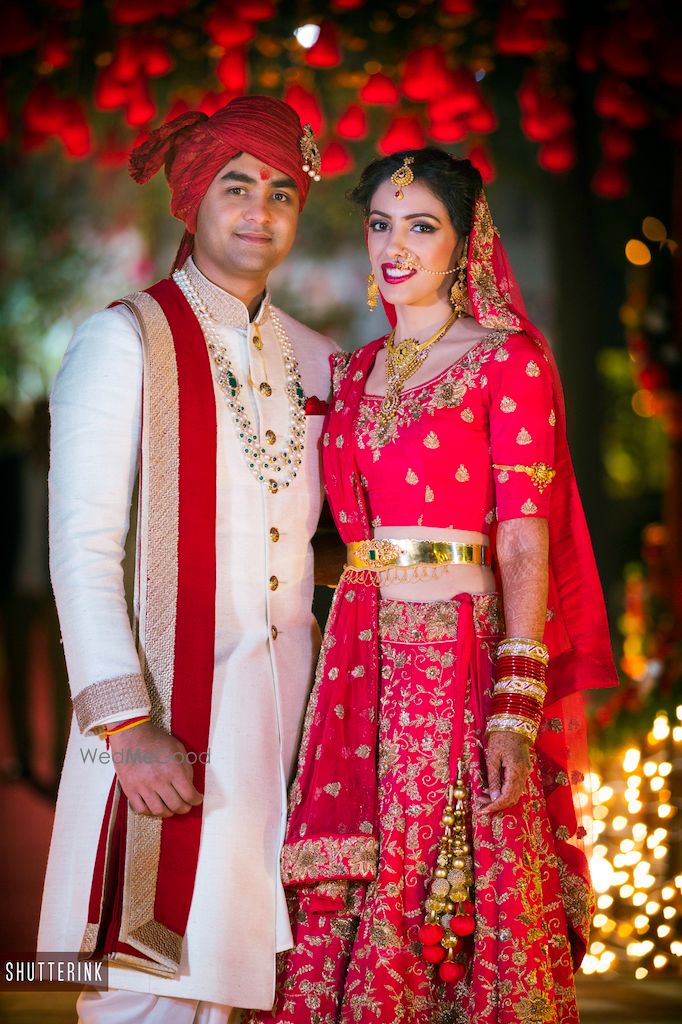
145,868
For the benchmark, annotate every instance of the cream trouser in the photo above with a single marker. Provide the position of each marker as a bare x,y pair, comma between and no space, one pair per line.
117,1006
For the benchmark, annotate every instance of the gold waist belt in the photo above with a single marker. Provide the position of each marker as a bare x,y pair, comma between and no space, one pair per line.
383,554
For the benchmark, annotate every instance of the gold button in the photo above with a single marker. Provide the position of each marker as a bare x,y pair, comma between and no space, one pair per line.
274,534
265,389
274,583
257,340
270,436
274,632
273,486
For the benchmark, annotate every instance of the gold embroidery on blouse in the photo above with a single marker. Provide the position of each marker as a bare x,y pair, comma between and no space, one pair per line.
532,369
411,477
462,474
552,418
445,392
528,508
340,369
523,437
428,494
540,473
467,415
507,404
431,440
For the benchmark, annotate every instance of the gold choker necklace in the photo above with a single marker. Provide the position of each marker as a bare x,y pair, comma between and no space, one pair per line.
402,362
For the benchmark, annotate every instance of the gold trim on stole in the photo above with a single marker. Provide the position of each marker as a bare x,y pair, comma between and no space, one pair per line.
156,598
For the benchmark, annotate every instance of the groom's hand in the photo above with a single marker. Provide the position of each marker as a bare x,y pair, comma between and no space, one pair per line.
154,772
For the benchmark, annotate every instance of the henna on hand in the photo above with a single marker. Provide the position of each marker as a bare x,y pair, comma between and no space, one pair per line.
508,766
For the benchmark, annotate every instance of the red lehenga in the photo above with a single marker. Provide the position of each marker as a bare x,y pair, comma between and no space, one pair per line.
398,683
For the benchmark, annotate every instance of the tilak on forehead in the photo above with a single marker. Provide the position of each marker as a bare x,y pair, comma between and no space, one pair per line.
194,147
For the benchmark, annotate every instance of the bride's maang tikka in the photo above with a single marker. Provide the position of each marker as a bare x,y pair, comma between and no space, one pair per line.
403,177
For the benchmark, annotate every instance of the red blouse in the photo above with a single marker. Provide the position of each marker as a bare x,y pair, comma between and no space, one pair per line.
474,444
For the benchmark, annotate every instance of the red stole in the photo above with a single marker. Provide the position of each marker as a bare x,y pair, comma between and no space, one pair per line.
145,868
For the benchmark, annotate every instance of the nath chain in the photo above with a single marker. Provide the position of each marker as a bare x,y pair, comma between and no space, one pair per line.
287,460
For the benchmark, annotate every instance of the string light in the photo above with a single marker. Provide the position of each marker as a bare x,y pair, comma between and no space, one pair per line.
637,924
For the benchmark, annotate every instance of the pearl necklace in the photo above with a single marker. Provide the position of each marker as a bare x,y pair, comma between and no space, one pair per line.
288,459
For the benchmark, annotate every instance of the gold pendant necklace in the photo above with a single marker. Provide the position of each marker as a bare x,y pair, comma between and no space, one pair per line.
402,362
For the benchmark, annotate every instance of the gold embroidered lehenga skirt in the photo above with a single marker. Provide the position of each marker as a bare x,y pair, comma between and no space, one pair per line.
363,963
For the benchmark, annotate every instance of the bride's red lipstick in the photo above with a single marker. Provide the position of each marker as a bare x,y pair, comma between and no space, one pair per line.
405,275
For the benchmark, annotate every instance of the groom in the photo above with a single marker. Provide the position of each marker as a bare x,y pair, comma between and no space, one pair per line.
165,851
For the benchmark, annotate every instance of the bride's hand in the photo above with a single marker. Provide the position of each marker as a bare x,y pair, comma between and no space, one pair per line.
508,765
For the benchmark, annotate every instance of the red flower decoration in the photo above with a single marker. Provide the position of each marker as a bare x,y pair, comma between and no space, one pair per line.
558,155
254,10
616,142
307,106
519,33
462,96
325,53
226,30
426,75
335,160
134,12
450,131
404,132
55,51
233,71
481,159
353,123
611,181
379,89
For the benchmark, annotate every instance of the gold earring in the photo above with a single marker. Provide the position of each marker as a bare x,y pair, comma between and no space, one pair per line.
459,294
372,293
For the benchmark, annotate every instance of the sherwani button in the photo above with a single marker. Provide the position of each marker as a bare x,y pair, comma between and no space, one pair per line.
274,534
273,486
274,583
270,436
274,632
265,389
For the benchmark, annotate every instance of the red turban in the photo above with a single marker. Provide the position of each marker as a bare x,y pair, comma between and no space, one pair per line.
193,147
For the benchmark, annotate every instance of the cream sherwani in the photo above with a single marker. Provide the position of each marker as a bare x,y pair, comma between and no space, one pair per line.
265,646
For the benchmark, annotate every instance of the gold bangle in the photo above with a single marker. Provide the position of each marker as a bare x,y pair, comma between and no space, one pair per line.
533,649
513,723
525,688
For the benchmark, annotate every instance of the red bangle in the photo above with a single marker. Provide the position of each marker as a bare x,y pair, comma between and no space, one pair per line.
507,663
517,698
512,706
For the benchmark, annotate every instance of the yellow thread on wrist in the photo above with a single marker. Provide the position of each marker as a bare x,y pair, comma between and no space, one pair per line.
129,725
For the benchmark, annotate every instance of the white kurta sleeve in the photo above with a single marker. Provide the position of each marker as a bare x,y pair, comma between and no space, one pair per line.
96,409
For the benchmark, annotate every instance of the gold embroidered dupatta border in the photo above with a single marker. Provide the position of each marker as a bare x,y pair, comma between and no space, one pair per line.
156,587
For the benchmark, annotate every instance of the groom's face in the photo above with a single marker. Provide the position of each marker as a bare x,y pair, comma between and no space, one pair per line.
247,220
